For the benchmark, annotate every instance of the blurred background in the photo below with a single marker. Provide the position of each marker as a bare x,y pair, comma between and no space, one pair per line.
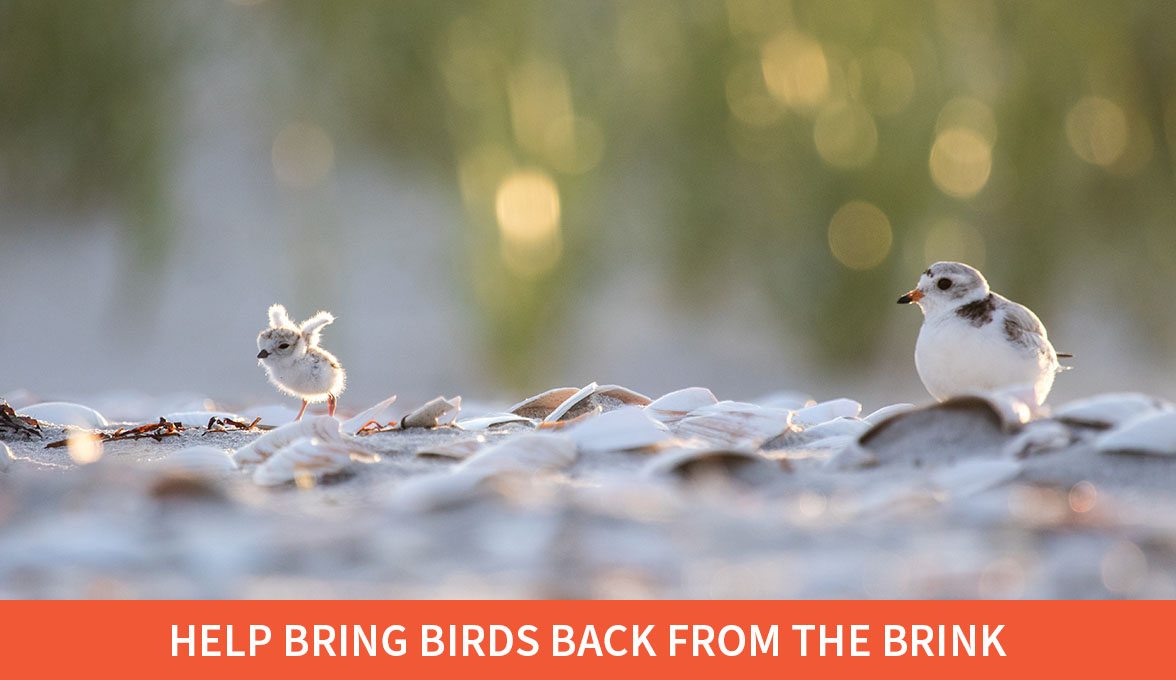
495,198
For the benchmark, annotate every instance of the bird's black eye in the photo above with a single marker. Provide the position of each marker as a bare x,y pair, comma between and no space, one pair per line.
944,284
284,345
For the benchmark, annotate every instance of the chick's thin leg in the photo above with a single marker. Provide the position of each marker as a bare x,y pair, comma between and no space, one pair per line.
332,402
301,410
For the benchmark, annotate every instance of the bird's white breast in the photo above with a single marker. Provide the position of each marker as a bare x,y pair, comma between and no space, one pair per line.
953,356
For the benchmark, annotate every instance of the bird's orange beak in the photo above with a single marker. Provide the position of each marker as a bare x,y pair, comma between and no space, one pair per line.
913,296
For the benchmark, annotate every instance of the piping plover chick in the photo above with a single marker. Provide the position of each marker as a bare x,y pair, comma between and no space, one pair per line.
294,361
975,340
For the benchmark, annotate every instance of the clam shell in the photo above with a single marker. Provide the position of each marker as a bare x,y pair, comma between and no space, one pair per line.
1039,436
1154,434
887,411
65,413
826,411
528,452
200,460
324,428
429,414
735,424
624,429
558,412
381,413
431,493
487,422
623,394
307,458
458,450
957,428
976,475
542,404
672,407
687,459
1106,411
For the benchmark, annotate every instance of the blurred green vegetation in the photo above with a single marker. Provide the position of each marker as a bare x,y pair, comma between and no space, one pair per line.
1023,137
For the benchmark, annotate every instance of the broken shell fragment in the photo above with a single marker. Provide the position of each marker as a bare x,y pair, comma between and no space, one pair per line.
1153,434
624,429
826,411
65,413
200,460
672,407
381,413
539,406
887,411
623,394
451,450
732,423
324,428
307,460
559,411
690,460
495,420
429,414
529,452
1106,411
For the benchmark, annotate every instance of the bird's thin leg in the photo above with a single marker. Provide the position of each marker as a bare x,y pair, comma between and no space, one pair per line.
301,410
332,402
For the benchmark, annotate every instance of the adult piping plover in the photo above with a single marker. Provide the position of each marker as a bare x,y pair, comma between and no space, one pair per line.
294,361
975,340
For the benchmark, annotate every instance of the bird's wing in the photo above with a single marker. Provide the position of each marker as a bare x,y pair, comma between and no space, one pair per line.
1022,327
312,327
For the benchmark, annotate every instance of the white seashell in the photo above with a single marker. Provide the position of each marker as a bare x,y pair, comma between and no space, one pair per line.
6,457
623,394
836,428
528,452
789,399
307,459
974,475
487,422
623,429
1039,436
826,411
194,418
1154,433
454,450
381,413
681,460
1108,410
428,493
730,423
567,404
672,407
273,414
202,460
324,428
540,405
430,413
65,413
887,411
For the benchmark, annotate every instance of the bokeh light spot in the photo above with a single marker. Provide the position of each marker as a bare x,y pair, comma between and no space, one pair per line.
961,161
748,97
573,144
1097,130
1083,496
528,210
796,70
1124,568
83,449
954,240
845,136
860,235
302,155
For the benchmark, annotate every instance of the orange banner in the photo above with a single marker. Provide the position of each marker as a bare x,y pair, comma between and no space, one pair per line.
583,639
